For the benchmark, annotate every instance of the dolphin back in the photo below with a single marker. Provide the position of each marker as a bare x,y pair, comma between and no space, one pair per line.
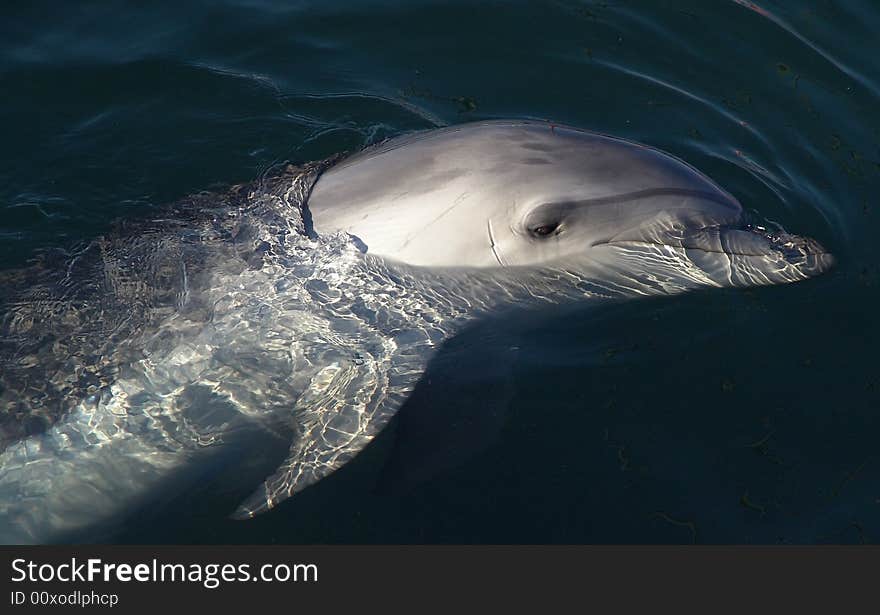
126,360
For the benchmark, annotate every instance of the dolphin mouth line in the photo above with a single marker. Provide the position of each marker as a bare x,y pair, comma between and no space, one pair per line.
635,242
781,243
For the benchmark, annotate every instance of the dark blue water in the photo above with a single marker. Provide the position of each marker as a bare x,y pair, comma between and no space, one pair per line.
730,416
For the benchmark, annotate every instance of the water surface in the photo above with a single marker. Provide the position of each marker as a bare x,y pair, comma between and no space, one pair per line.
731,416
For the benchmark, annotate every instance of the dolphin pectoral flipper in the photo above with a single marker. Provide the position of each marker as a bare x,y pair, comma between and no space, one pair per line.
343,409
315,453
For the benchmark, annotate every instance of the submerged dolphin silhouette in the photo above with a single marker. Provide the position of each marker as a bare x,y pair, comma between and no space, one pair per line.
310,302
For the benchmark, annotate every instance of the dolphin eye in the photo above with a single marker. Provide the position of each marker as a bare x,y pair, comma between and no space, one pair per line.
545,229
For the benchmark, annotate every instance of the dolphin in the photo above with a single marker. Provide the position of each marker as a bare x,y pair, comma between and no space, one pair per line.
306,305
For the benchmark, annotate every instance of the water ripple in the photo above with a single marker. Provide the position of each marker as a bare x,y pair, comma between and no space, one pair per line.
847,70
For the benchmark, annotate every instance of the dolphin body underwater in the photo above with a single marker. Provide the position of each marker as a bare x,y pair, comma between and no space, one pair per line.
308,304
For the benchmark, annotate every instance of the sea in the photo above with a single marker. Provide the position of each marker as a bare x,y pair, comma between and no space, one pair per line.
730,416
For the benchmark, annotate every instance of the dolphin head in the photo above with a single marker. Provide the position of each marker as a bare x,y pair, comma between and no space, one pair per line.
517,194
697,237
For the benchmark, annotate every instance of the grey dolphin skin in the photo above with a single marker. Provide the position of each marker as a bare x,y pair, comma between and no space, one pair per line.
305,306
